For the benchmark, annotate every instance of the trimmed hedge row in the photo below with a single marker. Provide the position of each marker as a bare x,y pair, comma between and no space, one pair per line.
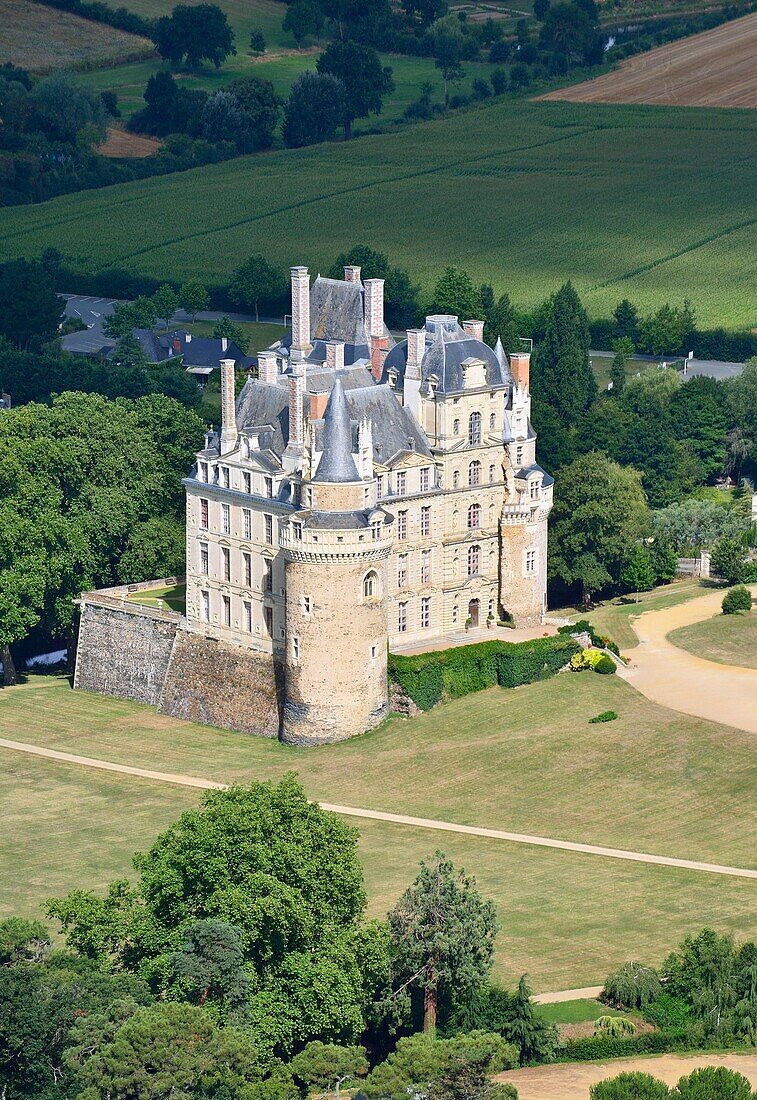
599,1047
448,674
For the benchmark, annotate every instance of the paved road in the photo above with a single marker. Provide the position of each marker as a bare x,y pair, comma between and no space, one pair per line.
395,819
679,680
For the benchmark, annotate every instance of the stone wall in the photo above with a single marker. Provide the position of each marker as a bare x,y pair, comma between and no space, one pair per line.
123,649
220,684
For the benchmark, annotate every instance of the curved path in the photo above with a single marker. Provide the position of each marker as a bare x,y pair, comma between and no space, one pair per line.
679,680
393,819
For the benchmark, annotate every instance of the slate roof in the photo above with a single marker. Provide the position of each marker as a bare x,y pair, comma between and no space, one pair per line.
337,313
447,348
336,463
394,431
261,403
200,351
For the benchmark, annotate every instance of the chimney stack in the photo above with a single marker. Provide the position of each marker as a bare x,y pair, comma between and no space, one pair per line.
335,354
301,345
224,343
378,355
474,329
268,367
176,342
374,307
296,410
416,347
228,407
352,273
520,364
187,337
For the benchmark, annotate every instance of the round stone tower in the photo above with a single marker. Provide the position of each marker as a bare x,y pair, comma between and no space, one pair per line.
336,551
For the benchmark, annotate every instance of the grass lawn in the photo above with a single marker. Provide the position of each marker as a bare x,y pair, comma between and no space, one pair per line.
727,639
602,364
174,595
41,39
575,1012
615,618
566,919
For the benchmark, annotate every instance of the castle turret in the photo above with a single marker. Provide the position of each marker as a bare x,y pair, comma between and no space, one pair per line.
336,555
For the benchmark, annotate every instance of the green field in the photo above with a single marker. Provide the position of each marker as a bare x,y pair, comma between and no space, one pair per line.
524,195
663,782
614,618
727,639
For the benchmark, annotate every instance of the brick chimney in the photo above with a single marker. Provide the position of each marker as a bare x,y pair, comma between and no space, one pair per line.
474,329
296,410
228,407
520,364
176,342
379,347
374,307
187,337
416,347
352,273
335,354
301,345
268,366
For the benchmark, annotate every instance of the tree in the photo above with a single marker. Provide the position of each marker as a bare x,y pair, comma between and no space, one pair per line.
501,323
664,560
366,82
126,316
737,599
569,32
260,108
633,986
561,372
663,332
698,417
443,934
455,294
257,42
31,308
728,559
197,33
232,331
400,295
210,964
155,547
22,940
425,12
194,298
696,524
630,1086
533,1037
623,348
614,1027
328,1067
713,1083
446,1069
638,573
304,19
314,111
600,511
254,280
448,60
165,303
65,111
626,318
169,108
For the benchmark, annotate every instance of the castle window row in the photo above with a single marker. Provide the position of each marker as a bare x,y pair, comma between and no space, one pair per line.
403,482
225,609
424,617
229,575
247,522
223,476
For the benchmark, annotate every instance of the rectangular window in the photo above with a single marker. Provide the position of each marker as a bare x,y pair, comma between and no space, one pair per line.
226,516
297,531
426,520
248,616
268,575
534,490
247,559
376,531
425,472
380,485
226,561
203,513
247,522
518,456
203,471
401,482
530,561
425,567
204,558
269,530
247,481
205,606
307,604
225,476
268,482
226,601
268,619
402,525
374,652
402,571
295,648
402,618
426,612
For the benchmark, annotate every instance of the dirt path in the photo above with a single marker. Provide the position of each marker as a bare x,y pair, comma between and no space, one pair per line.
571,1081
392,819
679,680
584,994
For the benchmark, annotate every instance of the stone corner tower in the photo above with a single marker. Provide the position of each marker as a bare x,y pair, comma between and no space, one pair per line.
335,551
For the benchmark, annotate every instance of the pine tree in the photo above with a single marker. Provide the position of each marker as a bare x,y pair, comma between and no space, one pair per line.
562,374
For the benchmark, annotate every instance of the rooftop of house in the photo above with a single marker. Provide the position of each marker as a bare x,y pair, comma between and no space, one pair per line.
194,351
446,347
337,312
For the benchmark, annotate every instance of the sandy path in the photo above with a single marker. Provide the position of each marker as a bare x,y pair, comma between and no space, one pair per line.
679,680
572,1080
393,819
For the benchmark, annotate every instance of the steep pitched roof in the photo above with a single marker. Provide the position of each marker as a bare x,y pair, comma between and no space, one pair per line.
447,347
337,463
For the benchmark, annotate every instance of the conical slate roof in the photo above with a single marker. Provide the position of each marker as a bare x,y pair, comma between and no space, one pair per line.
337,463
499,351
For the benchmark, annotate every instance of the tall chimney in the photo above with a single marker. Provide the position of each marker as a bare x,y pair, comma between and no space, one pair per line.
351,273
224,343
268,366
296,410
374,306
228,407
416,347
335,354
474,329
520,364
301,345
378,355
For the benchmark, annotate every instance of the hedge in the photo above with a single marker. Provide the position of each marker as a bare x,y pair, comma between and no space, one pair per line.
599,1047
451,673
97,12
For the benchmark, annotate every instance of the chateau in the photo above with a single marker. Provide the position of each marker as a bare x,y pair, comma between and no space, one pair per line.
363,494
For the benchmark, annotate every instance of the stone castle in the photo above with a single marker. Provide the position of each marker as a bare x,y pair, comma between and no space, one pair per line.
361,494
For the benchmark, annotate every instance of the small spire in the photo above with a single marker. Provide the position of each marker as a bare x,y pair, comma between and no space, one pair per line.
337,463
499,351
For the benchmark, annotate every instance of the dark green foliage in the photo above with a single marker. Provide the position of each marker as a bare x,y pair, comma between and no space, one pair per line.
728,558
626,318
668,1013
737,599
633,986
561,373
605,716
536,1041
428,677
303,20
454,1067
254,281
630,1086
314,110
170,109
210,964
400,295
30,309
713,1083
257,42
22,940
598,1048
232,331
454,293
328,1066
193,34
639,573
366,81
605,666
583,626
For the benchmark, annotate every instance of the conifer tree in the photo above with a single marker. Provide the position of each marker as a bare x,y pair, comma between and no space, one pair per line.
561,372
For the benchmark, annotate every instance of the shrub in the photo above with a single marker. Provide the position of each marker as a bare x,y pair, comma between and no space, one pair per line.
600,1047
583,626
633,986
668,1013
713,1083
605,716
630,1086
737,599
605,666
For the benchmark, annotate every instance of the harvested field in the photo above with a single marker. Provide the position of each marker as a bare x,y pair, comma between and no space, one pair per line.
120,143
41,39
713,69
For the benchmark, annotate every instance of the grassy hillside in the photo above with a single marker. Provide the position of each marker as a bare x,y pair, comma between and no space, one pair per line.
649,202
42,39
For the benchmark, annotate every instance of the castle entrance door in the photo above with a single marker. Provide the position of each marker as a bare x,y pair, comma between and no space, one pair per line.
473,612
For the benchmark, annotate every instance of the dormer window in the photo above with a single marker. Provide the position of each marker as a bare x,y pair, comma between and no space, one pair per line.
392,378
203,471
535,484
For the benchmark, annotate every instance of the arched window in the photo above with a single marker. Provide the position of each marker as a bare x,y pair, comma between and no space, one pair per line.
370,585
492,421
474,560
474,473
492,472
474,516
456,428
474,428
456,479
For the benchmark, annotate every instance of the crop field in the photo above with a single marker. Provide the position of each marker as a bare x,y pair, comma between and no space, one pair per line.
713,69
41,38
523,195
566,918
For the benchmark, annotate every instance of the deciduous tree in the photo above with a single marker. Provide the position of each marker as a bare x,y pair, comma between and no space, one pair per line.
455,293
31,309
304,19
314,111
366,81
195,33
255,280
194,298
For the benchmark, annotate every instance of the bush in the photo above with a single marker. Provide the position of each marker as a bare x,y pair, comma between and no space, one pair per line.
452,673
583,626
668,1013
713,1083
737,599
605,716
605,666
600,1047
630,1086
